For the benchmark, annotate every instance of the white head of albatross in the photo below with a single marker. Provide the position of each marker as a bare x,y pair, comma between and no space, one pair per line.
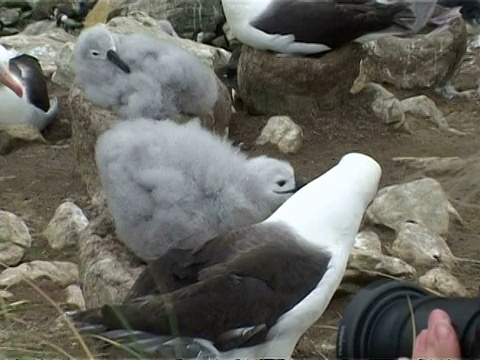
253,292
23,91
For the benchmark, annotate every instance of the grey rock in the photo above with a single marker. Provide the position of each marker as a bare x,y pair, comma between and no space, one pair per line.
468,76
39,27
364,265
65,226
23,4
13,230
368,241
11,254
74,296
65,73
421,247
440,280
417,62
423,201
13,137
107,268
186,16
62,273
10,16
296,86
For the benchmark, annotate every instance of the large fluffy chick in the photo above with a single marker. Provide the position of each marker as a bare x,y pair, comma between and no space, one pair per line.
180,185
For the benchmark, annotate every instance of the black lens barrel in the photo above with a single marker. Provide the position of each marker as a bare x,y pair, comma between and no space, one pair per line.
377,323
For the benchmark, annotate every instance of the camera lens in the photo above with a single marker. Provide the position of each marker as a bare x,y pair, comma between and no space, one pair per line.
383,319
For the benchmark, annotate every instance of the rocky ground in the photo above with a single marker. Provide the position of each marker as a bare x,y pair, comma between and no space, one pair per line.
36,179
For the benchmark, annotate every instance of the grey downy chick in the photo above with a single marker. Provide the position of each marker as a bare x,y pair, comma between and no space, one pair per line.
180,185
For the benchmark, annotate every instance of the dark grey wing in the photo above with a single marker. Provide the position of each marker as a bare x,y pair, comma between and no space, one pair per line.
253,292
181,267
29,70
328,22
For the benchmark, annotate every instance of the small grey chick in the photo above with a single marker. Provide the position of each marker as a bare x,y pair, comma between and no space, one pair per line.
170,184
137,75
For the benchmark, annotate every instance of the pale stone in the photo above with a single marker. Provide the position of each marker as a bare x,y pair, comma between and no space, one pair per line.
421,247
63,273
282,132
13,230
423,201
441,280
66,224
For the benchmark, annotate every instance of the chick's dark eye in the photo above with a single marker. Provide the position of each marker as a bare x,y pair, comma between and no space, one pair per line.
94,53
281,183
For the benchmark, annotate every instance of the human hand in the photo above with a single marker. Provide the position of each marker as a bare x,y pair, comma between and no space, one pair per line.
439,340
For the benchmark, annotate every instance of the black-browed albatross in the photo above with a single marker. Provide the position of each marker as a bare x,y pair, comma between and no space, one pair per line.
253,292
315,26
23,91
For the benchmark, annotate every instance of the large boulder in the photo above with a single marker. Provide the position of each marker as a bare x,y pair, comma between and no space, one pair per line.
416,62
297,86
186,16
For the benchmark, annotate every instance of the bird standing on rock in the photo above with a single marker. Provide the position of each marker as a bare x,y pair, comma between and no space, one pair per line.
23,91
136,75
316,26
251,293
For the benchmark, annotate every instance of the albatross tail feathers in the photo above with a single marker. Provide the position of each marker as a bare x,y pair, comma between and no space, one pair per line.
142,342
42,119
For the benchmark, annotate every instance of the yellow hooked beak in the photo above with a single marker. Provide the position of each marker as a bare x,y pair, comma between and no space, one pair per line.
7,79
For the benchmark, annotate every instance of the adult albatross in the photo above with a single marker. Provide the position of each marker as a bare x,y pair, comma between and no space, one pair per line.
23,91
253,292
315,26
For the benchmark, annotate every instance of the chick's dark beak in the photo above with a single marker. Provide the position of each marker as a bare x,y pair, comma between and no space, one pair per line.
114,58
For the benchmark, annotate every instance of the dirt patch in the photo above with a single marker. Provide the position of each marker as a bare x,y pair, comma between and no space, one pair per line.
36,179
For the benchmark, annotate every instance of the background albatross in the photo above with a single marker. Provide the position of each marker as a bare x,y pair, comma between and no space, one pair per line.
253,292
316,26
23,91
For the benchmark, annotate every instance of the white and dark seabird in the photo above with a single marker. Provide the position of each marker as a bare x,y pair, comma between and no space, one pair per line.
170,184
23,91
251,293
137,75
316,26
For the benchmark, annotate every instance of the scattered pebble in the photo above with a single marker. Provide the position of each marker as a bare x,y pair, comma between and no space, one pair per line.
441,280
421,247
63,273
283,132
66,224
75,296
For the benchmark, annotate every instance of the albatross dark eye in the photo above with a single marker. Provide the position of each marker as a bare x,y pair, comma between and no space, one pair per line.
281,183
94,53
